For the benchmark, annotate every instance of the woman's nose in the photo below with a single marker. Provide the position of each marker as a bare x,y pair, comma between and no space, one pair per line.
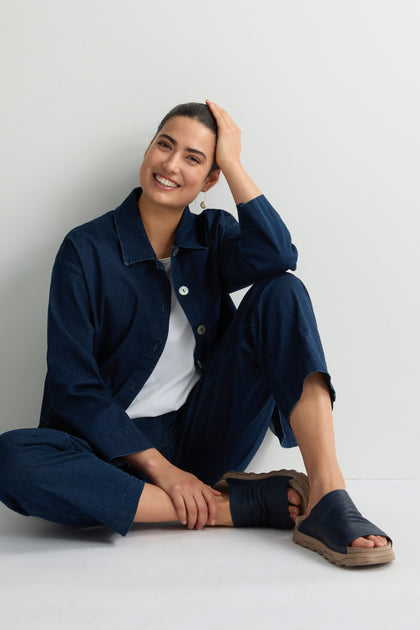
172,162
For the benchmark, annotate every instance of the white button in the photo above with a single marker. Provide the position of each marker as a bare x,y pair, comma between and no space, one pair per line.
184,290
199,364
201,329
175,252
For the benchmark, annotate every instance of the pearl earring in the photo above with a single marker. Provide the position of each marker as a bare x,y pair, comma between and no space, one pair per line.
203,203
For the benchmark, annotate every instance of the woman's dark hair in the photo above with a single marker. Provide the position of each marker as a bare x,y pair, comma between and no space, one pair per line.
196,111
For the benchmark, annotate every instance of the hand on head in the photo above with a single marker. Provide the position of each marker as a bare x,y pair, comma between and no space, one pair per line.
228,147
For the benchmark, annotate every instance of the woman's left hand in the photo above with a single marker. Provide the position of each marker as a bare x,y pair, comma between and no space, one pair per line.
228,146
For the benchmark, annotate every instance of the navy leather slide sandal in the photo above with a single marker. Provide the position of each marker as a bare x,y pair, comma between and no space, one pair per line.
260,499
332,525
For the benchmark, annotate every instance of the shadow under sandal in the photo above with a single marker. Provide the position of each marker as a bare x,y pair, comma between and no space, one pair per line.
332,525
260,499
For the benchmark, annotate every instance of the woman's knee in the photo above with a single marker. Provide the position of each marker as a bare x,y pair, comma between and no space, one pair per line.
12,445
12,470
20,450
282,288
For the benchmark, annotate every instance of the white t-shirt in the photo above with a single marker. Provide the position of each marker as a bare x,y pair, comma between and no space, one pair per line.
175,375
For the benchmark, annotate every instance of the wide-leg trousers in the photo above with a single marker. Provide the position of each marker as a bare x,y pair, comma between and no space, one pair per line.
254,380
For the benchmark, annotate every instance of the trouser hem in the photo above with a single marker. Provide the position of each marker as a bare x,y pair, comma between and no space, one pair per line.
127,512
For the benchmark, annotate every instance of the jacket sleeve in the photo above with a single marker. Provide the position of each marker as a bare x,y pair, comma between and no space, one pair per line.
79,400
259,246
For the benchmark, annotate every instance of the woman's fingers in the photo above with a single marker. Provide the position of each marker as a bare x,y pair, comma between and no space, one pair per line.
217,111
207,505
199,508
194,501
203,512
180,508
228,147
221,115
214,108
192,511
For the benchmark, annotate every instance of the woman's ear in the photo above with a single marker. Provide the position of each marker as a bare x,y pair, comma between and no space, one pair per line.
211,180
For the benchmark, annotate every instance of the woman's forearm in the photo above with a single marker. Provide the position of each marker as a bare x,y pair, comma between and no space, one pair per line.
241,185
150,461
228,150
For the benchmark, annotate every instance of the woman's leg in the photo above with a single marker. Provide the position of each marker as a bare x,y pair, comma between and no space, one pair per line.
228,413
312,424
58,477
256,375
271,352
155,506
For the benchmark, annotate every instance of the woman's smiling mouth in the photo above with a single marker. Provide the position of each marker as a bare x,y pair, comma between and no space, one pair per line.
163,181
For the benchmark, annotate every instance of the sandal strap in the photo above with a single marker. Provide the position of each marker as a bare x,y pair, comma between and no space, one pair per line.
260,503
336,522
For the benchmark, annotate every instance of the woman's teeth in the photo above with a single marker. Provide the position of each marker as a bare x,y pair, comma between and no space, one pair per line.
165,182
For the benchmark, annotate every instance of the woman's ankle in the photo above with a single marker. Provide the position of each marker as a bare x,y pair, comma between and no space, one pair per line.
223,516
320,485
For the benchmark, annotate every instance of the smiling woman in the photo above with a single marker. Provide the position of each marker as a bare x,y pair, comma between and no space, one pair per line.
177,165
157,386
195,111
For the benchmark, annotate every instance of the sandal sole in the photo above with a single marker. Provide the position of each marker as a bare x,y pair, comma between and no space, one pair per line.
355,556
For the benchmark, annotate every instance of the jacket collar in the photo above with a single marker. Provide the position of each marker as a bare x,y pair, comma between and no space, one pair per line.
135,245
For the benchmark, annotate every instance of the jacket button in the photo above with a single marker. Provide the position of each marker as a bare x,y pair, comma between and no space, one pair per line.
175,252
183,290
201,329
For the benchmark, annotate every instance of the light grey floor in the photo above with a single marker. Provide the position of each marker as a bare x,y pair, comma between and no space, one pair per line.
164,577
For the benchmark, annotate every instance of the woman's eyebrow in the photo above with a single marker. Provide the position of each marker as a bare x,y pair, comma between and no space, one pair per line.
174,142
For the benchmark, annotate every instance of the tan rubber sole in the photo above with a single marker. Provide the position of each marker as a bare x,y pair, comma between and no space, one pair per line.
355,557
298,482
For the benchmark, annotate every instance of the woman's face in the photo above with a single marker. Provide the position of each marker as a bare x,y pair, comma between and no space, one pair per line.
176,165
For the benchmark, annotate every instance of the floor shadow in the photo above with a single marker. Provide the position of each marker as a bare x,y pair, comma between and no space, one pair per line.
20,534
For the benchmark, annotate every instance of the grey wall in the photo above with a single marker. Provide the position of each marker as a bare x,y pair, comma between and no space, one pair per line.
327,95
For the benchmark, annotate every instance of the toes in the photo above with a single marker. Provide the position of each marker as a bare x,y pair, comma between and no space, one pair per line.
369,542
293,512
293,497
363,543
379,541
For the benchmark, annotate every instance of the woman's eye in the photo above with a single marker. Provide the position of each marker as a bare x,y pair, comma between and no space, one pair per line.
163,144
192,158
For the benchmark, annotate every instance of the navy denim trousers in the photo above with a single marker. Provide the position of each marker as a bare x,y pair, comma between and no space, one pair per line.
255,379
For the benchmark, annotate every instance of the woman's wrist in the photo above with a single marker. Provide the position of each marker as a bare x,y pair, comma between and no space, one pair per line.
228,151
241,185
149,461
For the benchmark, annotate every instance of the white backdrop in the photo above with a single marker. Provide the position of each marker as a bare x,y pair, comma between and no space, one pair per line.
327,95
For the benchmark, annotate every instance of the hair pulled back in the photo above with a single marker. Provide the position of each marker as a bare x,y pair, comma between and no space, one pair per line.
196,111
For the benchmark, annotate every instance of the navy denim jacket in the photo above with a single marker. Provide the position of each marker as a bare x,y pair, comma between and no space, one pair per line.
110,304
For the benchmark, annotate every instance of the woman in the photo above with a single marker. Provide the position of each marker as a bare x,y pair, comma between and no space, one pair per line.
156,386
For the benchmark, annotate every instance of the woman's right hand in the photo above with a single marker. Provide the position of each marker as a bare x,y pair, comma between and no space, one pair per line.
194,501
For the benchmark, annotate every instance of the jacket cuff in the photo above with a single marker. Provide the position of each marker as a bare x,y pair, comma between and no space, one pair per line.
257,213
117,444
